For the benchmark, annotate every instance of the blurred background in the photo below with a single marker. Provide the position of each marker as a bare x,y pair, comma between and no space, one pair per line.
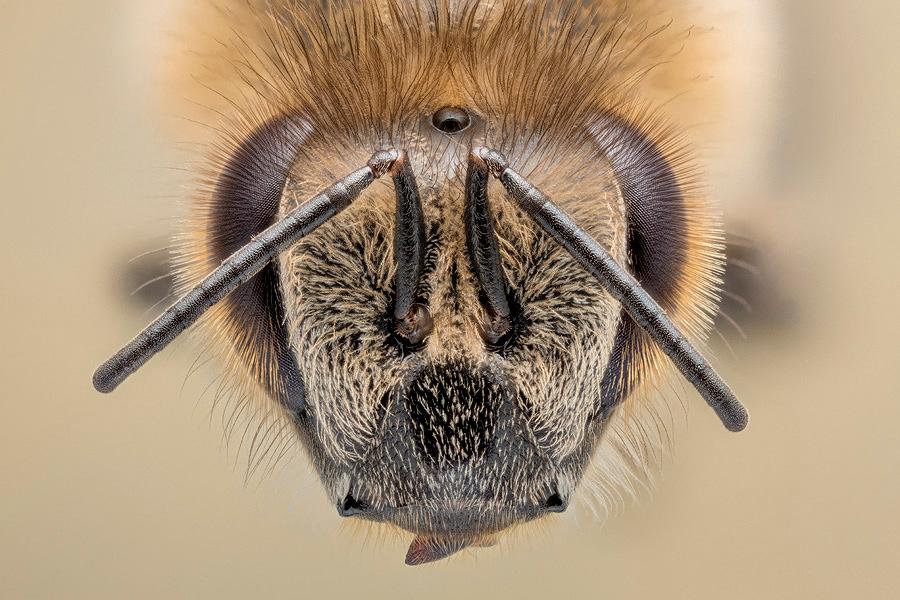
136,495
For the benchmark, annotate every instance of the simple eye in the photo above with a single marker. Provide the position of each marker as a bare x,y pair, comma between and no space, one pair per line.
451,119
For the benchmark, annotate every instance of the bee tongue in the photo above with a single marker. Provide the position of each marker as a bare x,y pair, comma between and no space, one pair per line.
424,550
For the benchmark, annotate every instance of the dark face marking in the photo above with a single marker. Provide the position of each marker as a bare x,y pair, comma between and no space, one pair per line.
453,413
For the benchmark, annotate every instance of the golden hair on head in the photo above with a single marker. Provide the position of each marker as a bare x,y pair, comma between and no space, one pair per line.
454,243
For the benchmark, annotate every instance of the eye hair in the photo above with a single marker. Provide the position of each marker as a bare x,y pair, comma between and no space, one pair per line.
241,266
646,312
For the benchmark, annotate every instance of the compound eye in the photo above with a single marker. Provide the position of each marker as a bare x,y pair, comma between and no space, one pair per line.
416,327
451,119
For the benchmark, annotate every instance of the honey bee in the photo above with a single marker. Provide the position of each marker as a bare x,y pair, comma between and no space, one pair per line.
454,243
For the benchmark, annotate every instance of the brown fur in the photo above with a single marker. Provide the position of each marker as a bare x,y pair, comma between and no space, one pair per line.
537,75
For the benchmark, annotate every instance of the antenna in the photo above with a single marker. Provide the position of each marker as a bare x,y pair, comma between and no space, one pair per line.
646,312
239,268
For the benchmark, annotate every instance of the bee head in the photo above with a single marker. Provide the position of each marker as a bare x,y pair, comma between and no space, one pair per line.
458,364
450,352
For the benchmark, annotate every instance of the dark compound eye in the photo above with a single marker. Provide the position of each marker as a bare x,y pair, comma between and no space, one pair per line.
451,119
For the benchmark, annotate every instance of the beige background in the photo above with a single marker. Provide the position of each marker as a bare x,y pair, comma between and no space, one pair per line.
135,495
